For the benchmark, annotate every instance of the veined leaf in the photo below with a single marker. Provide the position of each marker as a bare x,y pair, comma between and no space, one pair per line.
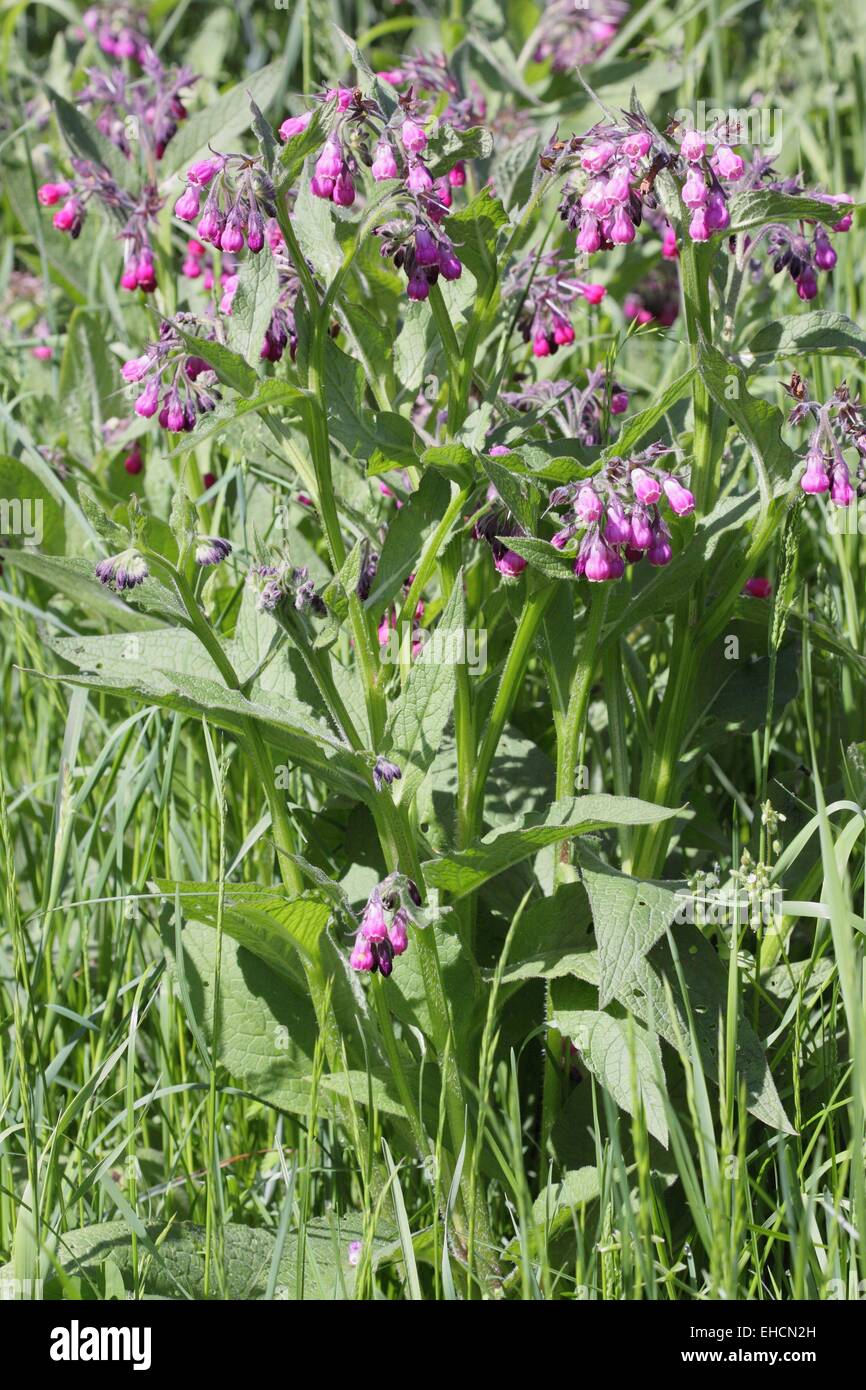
762,205
803,334
257,293
426,702
175,1258
264,920
463,871
624,1057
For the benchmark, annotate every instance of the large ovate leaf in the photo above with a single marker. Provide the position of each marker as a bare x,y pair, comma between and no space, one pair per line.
425,704
762,205
264,920
629,917
624,1057
799,335
463,871
171,1258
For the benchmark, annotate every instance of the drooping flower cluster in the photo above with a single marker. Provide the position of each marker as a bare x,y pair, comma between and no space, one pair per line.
613,170
393,147
177,386
136,214
802,250
138,114
239,198
495,524
383,931
123,571
129,568
578,411
616,515
837,423
546,292
280,583
572,33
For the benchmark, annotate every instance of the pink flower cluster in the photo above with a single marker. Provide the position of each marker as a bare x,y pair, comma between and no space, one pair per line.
803,251
546,293
836,423
137,216
238,201
618,166
618,516
392,148
177,385
383,933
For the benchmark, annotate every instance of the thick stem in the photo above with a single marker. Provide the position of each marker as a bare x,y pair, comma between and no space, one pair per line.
512,676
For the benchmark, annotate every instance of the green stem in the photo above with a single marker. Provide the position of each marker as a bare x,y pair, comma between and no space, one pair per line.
581,682
567,757
515,666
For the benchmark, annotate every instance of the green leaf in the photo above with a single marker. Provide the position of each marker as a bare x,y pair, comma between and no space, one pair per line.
475,231
454,460
40,510
228,364
384,437
86,141
450,146
102,524
263,920
294,737
313,221
638,426
171,1257
426,702
268,1029
624,1057
759,422
629,916
644,995
543,556
463,871
553,939
257,293
804,334
753,209
407,534
553,1207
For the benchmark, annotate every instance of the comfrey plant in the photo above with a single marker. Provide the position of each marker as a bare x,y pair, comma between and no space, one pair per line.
367,467
177,386
836,423
617,515
801,251
547,290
